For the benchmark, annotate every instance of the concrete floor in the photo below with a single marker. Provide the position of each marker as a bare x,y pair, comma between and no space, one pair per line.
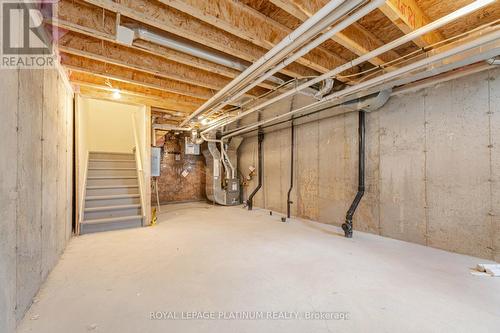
205,258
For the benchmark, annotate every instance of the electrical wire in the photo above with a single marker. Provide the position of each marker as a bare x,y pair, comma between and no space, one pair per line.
417,53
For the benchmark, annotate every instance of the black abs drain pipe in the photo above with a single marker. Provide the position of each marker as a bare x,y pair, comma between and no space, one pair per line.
259,171
292,144
347,226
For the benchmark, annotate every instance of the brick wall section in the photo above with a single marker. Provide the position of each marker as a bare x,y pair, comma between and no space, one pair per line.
172,185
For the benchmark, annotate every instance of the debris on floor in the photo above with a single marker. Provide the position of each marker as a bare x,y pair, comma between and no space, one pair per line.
487,269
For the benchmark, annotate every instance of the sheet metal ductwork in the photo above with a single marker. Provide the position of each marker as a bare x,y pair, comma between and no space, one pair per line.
222,183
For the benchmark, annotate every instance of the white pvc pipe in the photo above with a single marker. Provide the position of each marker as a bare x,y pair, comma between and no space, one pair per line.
476,5
345,9
289,40
379,80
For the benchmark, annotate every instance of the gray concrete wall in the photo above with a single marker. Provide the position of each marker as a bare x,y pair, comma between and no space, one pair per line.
432,172
35,179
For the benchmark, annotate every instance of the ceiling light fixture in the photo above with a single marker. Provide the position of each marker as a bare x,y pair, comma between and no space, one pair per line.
117,94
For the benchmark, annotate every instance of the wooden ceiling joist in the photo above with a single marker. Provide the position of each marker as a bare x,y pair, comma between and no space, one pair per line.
94,48
69,21
178,23
172,101
107,70
408,16
126,97
251,25
355,38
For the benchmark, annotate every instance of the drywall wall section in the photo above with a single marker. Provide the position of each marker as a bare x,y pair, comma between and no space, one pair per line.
109,125
432,161
36,176
182,176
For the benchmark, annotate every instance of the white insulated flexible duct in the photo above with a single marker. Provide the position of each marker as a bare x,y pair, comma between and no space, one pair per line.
259,66
174,44
476,5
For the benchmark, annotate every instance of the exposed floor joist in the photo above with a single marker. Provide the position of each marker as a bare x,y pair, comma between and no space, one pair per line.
355,38
69,21
183,104
103,69
98,92
178,23
408,16
246,22
93,48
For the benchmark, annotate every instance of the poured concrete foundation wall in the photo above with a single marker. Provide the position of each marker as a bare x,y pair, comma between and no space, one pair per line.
432,167
36,180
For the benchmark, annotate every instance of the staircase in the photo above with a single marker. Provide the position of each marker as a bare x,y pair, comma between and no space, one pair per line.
112,198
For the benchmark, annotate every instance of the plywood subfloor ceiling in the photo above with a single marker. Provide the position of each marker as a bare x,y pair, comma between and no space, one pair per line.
176,83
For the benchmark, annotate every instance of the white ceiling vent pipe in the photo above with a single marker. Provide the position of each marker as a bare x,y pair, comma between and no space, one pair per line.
325,89
474,6
342,11
369,104
262,64
174,44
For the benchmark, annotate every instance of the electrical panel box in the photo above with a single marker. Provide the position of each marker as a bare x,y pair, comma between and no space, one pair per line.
191,148
155,161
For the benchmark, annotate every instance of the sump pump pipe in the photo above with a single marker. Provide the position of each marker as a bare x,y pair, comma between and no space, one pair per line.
476,5
260,171
347,226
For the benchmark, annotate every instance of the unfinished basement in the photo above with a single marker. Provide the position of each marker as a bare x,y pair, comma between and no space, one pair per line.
249,166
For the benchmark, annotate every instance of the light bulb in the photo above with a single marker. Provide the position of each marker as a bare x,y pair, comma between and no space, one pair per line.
116,94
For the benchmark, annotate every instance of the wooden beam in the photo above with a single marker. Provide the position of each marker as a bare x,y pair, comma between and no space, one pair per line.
120,55
102,93
68,20
178,23
355,38
408,16
253,26
183,104
118,73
